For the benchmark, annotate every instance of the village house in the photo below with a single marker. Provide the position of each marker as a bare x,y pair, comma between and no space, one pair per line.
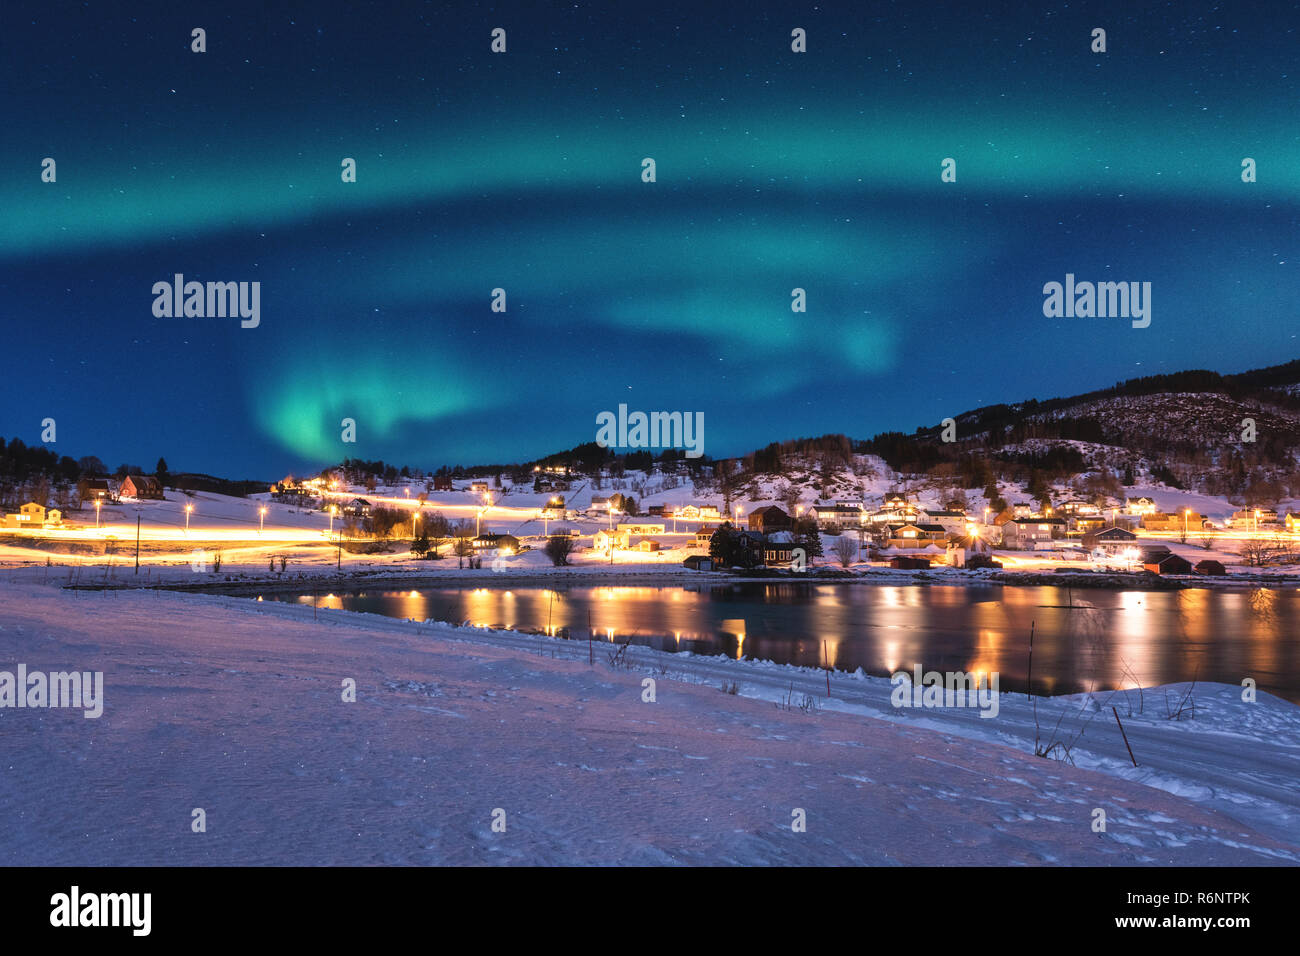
777,553
141,486
598,503
768,518
894,502
96,489
611,538
905,563
495,544
837,516
894,516
1168,564
1140,506
1293,522
554,508
1177,521
1083,523
703,537
442,483
357,508
1109,539
699,562
33,515
641,527
1077,506
907,535
953,522
1252,518
1026,534
1212,567
544,484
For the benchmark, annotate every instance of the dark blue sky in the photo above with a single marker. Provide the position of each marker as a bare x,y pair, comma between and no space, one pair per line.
775,170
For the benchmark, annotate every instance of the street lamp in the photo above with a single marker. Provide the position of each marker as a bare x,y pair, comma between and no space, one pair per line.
98,503
188,509
332,510
261,519
1186,513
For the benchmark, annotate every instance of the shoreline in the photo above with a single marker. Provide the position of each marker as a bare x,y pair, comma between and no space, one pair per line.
241,582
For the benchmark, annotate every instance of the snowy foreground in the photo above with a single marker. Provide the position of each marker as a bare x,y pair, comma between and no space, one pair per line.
235,707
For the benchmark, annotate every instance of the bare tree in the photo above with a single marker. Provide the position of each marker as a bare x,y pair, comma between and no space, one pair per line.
1254,550
845,550
558,549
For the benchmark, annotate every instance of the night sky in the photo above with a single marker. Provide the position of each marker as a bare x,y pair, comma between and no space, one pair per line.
775,170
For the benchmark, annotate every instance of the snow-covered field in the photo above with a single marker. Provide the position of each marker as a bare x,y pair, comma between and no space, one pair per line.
235,707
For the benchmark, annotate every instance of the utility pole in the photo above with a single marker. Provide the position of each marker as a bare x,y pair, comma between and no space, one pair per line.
137,543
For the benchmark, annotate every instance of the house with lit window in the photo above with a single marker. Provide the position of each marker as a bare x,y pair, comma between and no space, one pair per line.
641,527
1109,539
33,515
495,544
1173,521
911,535
1025,534
357,508
837,516
141,486
953,522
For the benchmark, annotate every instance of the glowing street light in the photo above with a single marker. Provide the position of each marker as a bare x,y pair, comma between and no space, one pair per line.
98,503
261,519
332,510
188,509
